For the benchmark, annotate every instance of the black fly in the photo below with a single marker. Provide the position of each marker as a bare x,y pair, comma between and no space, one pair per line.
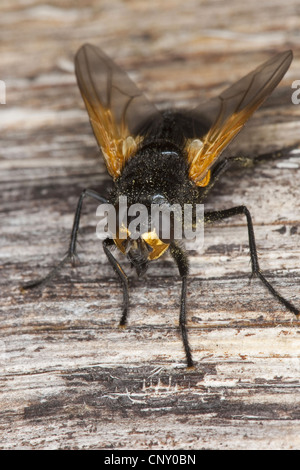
168,158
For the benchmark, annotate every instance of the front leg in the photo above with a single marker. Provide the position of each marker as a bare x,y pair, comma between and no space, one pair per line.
71,253
121,275
181,260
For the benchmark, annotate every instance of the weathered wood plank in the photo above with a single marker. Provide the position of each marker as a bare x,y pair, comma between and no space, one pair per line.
70,378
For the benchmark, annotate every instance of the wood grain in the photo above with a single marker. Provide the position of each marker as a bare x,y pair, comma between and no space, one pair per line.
70,378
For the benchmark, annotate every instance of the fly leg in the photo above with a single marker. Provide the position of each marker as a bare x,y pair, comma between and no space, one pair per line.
182,263
121,275
224,214
71,253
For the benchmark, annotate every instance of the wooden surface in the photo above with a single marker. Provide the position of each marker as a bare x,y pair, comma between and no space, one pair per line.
70,378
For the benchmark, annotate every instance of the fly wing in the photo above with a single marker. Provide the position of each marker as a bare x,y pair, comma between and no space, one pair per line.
225,115
116,107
